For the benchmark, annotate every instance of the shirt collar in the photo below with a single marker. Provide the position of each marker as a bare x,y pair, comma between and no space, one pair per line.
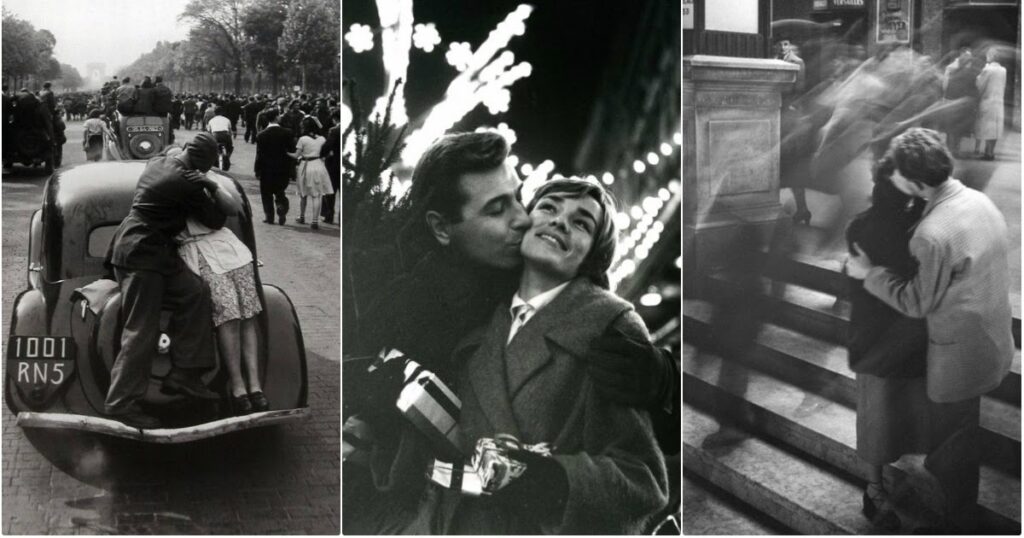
539,301
946,189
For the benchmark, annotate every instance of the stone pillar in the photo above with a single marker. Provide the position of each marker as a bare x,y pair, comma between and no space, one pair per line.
730,153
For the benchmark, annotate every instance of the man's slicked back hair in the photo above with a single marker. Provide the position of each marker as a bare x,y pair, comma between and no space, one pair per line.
435,180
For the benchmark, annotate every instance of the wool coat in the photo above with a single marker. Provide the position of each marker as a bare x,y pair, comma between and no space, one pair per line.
961,289
991,88
538,390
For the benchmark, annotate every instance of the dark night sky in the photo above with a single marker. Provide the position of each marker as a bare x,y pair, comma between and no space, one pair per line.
568,42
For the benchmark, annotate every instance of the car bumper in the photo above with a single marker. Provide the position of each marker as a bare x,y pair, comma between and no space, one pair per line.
105,426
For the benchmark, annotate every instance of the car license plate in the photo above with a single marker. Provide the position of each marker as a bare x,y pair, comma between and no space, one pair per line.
39,365
144,129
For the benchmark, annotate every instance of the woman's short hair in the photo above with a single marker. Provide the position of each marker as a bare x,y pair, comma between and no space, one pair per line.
921,156
602,251
95,113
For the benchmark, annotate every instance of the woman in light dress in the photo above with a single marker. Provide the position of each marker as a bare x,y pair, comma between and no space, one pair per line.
311,178
226,265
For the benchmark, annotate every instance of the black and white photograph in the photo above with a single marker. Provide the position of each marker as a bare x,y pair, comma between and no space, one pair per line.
511,205
171,267
852,267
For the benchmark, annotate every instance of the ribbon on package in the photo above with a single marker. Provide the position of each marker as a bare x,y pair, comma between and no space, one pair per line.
489,470
427,403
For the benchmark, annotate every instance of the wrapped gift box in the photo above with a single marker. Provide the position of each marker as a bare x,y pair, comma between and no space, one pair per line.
432,408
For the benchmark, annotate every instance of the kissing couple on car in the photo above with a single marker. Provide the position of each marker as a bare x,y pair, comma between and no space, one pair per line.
172,252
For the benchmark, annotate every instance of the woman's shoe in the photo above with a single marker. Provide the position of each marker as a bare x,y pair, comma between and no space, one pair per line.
240,405
878,508
301,220
802,217
259,401
314,226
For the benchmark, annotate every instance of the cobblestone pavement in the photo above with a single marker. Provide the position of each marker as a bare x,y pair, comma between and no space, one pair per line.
278,480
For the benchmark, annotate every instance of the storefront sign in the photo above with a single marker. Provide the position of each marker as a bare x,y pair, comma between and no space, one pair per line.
823,5
894,21
738,16
687,14
996,3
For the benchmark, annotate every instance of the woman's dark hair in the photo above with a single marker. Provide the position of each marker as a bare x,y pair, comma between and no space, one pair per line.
271,114
921,156
596,263
95,113
147,82
309,127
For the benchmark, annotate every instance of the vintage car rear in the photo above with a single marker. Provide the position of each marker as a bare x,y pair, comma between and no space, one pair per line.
65,327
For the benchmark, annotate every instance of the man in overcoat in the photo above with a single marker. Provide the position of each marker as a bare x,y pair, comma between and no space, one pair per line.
991,83
152,276
273,166
961,289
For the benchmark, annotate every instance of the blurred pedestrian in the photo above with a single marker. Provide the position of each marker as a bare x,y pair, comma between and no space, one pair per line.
958,83
961,288
220,126
311,178
991,83
249,113
273,167
92,136
145,105
176,108
189,109
126,94
331,152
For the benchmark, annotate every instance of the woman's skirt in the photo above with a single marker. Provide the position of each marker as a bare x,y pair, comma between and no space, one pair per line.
233,293
895,417
312,179
94,148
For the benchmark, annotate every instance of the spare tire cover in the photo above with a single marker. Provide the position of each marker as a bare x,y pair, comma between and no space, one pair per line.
145,145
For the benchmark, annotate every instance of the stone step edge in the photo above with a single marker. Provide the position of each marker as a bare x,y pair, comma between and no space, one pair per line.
761,496
820,445
848,379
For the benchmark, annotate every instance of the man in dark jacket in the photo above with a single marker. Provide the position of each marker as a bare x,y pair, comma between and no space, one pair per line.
331,152
152,276
162,97
176,108
126,94
48,99
232,111
250,111
273,167
189,108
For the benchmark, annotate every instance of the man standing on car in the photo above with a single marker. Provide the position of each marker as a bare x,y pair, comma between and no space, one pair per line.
961,289
152,277
273,166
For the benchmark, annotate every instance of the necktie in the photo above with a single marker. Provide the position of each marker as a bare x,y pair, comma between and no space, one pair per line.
519,314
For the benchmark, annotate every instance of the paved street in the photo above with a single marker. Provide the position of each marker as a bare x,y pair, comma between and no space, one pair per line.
279,480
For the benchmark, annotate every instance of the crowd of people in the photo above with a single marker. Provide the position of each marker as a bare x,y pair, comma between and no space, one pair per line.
33,123
853,102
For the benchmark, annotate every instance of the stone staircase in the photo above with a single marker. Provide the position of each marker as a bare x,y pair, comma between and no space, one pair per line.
775,428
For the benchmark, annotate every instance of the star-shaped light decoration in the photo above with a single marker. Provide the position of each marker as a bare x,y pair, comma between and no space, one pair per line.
458,55
360,37
425,37
497,100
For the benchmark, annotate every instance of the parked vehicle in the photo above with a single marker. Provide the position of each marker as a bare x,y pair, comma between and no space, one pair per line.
63,340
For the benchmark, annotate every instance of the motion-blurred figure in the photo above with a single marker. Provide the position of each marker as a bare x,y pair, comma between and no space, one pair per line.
958,83
991,85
